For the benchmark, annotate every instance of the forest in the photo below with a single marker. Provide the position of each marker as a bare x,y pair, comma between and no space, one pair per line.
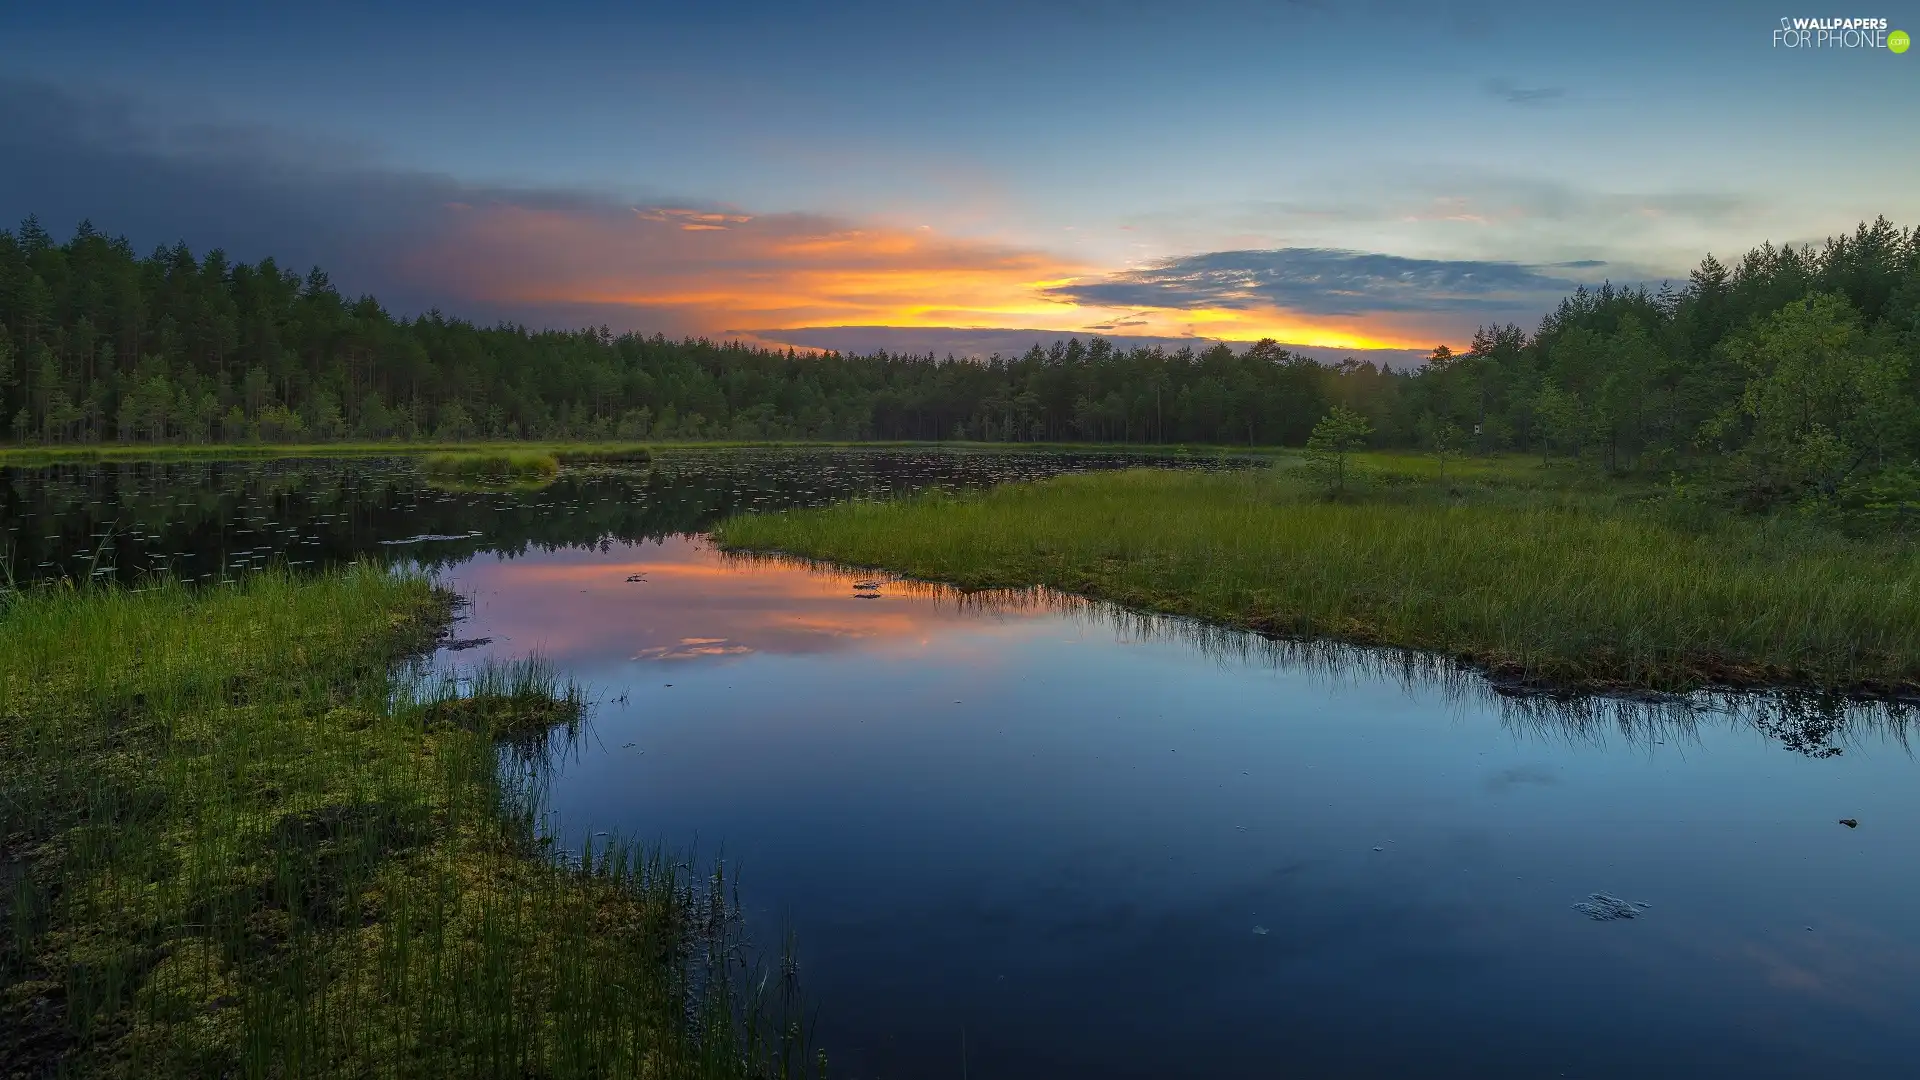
1791,372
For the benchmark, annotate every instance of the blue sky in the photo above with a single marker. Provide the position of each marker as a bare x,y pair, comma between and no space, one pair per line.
1342,175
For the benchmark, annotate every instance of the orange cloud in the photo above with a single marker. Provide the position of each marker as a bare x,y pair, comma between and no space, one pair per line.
691,220
722,272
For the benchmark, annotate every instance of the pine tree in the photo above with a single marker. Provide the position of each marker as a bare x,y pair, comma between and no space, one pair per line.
1338,434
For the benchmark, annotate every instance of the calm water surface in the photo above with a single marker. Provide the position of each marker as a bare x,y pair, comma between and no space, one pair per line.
1021,836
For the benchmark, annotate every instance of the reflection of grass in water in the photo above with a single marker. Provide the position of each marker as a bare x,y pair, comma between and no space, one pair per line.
233,841
183,517
1531,582
488,487
567,452
1811,723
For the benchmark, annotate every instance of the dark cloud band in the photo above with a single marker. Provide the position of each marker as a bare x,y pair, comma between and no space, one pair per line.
1327,281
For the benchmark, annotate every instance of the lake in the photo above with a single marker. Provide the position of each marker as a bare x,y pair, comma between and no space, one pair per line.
1021,835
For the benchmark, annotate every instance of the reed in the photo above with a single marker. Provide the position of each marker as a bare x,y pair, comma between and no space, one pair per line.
1536,575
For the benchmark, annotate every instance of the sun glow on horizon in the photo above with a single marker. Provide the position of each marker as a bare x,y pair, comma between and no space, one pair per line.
728,273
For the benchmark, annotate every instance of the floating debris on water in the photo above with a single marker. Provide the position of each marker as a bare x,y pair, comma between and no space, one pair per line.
1851,823
1603,908
426,537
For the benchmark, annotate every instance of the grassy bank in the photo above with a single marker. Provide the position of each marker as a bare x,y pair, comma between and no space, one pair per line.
1530,573
234,841
565,452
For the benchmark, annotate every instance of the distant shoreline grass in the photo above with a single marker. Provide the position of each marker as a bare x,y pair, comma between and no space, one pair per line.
474,466
234,842
82,454
566,451
1522,576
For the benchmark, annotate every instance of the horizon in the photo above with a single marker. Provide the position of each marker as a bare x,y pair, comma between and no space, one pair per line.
882,177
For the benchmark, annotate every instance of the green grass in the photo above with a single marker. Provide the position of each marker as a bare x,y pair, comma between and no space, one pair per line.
237,840
1535,574
565,452
1524,469
474,466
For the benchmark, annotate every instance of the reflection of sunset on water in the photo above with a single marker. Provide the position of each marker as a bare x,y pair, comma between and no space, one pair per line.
944,790
693,604
694,649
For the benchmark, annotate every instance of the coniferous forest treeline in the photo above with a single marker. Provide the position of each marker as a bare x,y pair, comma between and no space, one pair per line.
1793,369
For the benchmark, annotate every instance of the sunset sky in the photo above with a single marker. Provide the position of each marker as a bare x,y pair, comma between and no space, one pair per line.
959,176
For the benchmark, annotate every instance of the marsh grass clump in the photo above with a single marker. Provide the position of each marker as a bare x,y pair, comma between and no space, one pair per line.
1535,575
241,835
495,466
603,454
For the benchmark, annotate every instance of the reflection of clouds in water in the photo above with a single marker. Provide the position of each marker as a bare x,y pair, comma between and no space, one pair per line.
830,628
1805,722
1520,775
694,649
1782,973
1846,964
700,604
691,604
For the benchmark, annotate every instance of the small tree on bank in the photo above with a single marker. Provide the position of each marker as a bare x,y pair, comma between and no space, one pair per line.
1338,434
1442,439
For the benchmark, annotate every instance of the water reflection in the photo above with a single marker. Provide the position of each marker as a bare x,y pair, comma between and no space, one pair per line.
215,521
1105,844
1121,845
1807,722
688,604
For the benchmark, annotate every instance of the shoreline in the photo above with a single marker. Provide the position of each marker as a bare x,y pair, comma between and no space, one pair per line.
1538,597
584,450
241,829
